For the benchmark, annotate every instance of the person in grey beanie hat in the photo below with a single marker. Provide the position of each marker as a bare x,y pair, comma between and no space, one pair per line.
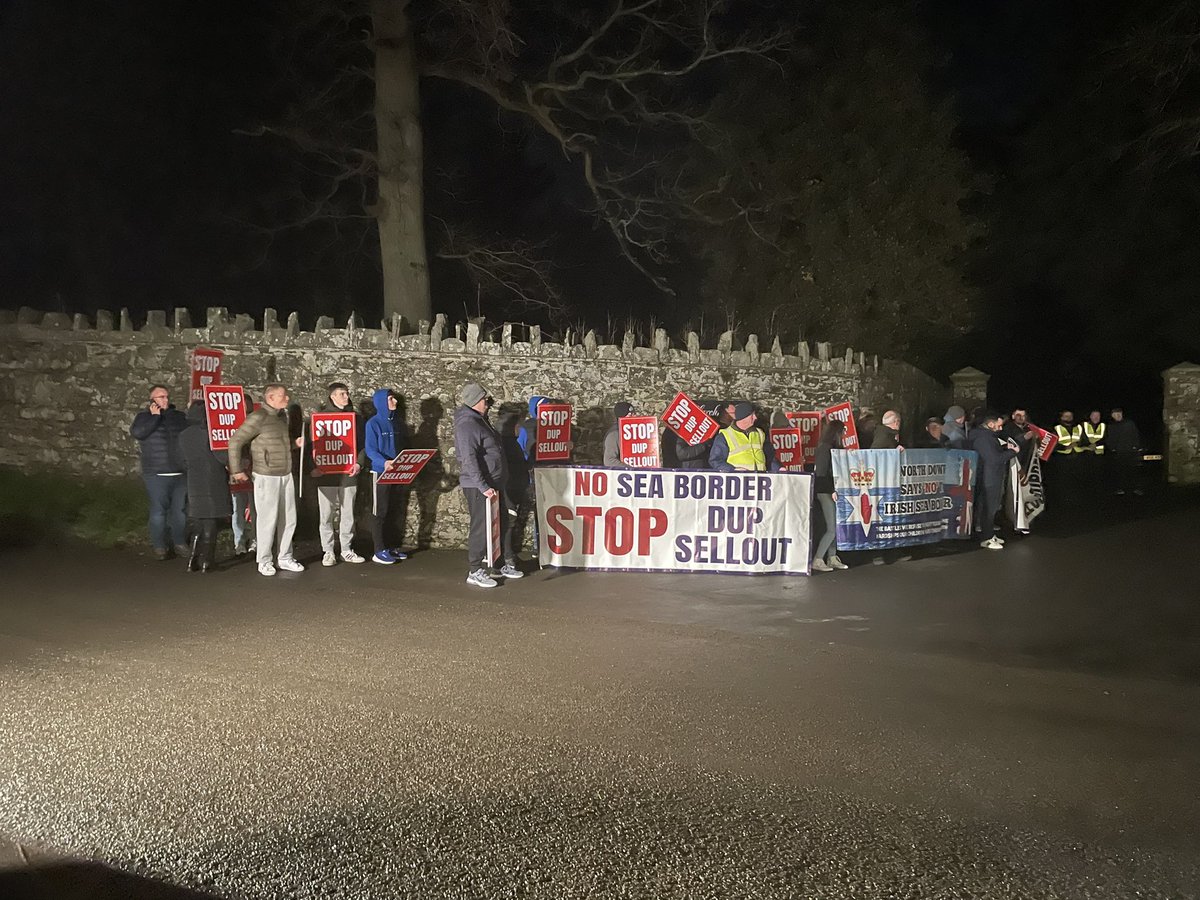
954,428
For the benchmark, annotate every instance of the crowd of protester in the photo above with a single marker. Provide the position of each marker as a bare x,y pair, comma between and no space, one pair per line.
252,484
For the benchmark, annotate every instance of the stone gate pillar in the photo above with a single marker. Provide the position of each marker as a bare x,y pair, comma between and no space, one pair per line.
970,388
1181,419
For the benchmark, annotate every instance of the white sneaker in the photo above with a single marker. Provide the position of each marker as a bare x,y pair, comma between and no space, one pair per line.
511,571
266,569
837,563
999,540
329,559
991,544
819,565
351,557
480,578
290,565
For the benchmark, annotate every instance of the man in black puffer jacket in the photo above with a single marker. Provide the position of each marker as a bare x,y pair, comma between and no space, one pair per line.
157,429
994,453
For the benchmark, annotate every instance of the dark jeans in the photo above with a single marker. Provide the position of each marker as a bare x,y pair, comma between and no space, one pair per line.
477,532
987,504
387,519
168,521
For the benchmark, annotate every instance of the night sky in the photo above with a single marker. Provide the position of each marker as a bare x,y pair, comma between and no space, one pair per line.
125,182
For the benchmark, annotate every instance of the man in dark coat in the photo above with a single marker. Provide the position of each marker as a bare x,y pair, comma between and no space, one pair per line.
483,475
887,435
689,456
156,429
994,453
1125,452
209,501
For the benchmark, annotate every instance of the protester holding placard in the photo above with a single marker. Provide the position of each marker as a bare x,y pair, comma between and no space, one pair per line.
742,447
209,501
518,488
688,455
887,435
266,432
483,474
825,558
612,437
243,519
156,429
336,492
994,453
385,438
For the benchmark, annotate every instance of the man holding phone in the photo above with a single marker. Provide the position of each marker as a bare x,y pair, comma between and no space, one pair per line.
156,429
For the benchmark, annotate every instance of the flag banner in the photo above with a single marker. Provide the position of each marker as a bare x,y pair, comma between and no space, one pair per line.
788,451
638,436
684,416
553,432
743,523
1024,499
843,412
334,442
205,365
493,532
409,464
809,426
224,412
1046,442
894,498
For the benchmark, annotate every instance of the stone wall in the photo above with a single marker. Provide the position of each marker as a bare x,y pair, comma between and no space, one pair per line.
71,385
1181,416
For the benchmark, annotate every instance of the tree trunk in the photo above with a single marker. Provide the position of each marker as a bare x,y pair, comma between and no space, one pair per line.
400,212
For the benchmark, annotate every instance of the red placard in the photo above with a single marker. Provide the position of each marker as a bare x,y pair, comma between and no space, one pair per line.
553,432
843,412
409,464
809,426
684,416
493,534
334,440
206,369
1046,442
225,411
639,441
789,450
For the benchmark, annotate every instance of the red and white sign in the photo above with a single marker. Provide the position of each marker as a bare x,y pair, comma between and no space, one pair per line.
334,441
843,413
809,426
639,441
1046,442
668,520
553,432
493,533
225,411
684,416
409,464
206,370
789,450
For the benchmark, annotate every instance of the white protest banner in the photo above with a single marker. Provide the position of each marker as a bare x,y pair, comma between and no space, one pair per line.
205,365
684,416
409,464
638,436
743,523
553,432
334,442
224,411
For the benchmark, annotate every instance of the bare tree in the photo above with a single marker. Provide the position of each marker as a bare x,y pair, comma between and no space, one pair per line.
612,93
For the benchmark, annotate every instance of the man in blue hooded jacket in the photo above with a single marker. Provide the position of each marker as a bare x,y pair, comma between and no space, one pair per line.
385,437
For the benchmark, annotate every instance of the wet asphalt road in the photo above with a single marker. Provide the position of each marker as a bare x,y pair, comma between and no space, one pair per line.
989,725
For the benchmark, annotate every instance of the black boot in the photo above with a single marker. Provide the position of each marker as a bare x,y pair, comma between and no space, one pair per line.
194,557
208,549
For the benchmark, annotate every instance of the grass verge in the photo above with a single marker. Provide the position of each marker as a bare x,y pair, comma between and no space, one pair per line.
108,512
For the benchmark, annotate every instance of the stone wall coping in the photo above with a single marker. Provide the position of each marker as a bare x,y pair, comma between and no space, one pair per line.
1181,368
438,337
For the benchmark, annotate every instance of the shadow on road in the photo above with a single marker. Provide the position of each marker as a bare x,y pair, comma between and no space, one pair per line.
78,880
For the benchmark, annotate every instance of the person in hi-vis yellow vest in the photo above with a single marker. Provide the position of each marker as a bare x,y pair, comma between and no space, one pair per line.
1066,456
740,447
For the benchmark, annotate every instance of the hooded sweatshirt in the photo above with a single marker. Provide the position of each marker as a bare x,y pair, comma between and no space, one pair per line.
385,437
527,437
955,434
517,485
480,453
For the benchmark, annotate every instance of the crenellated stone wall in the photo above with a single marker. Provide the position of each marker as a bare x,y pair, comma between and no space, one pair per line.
71,385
